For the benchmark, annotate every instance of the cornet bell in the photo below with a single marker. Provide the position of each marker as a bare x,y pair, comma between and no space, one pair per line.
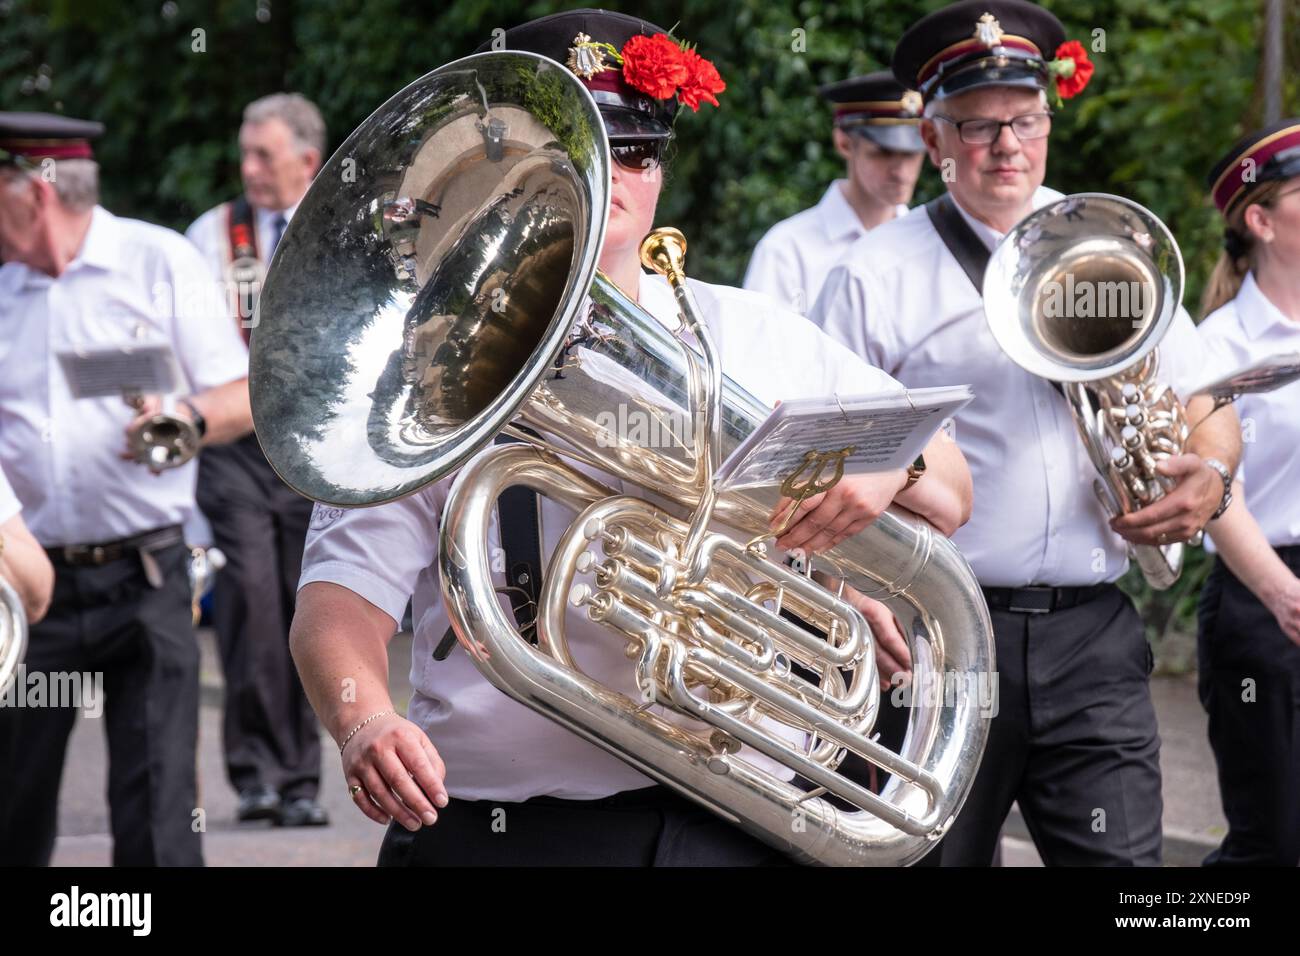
1083,287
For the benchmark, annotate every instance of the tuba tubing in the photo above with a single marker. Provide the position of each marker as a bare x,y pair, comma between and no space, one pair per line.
13,635
919,574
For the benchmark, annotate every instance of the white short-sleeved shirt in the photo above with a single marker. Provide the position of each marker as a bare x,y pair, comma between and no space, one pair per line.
1241,332
900,300
9,504
131,281
494,747
791,261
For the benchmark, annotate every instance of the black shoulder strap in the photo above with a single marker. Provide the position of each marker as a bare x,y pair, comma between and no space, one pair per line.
242,269
966,247
241,214
519,524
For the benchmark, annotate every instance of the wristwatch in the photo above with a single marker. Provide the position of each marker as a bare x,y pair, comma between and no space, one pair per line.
914,471
200,423
1226,475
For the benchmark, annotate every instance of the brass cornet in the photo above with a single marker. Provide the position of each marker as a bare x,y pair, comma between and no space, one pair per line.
1081,292
162,441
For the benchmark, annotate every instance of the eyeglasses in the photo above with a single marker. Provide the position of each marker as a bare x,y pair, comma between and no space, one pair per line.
981,132
638,154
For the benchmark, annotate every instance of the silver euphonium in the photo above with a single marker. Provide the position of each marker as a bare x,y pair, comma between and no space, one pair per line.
13,634
1081,292
438,283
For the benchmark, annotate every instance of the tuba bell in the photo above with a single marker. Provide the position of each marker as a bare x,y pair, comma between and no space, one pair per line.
447,292
1081,292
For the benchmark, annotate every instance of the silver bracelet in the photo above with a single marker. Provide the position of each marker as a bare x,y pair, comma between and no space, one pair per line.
382,713
1226,475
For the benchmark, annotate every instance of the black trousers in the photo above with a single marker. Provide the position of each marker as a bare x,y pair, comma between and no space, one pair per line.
109,619
1074,741
1249,677
650,827
269,730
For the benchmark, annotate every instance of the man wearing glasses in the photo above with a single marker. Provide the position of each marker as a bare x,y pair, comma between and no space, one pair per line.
1074,737
877,132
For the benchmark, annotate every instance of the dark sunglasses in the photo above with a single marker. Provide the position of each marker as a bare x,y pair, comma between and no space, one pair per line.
639,154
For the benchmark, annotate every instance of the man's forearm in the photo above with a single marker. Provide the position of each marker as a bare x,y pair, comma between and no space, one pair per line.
1215,434
227,411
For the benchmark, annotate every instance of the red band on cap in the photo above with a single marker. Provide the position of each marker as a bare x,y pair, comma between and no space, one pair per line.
973,45
48,148
878,109
1241,174
611,81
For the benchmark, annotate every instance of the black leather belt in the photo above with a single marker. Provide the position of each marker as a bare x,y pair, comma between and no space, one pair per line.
88,555
1042,600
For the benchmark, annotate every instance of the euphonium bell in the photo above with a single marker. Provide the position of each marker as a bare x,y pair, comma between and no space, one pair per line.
1081,292
437,283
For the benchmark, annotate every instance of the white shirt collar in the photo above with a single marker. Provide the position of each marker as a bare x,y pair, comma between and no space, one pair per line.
836,215
1255,310
986,232
101,249
268,215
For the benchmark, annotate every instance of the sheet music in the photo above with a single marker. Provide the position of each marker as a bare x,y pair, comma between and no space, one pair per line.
145,368
1262,376
884,432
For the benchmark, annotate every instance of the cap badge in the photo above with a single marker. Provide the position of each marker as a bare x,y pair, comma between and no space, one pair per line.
988,31
912,102
586,58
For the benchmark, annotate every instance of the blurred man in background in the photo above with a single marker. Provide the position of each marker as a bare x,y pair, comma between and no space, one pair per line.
271,739
877,131
75,278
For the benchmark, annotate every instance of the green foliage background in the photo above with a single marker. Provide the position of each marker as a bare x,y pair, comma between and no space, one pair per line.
1176,84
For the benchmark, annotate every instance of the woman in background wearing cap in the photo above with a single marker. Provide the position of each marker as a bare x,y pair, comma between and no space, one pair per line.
520,789
1249,637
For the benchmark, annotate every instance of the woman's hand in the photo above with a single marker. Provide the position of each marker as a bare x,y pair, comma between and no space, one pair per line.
823,521
399,772
1285,606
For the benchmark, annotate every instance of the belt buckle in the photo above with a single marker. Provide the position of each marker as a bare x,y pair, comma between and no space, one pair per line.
1020,609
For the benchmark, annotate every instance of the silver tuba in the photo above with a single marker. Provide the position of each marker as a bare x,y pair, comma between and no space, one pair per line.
13,635
1081,292
446,291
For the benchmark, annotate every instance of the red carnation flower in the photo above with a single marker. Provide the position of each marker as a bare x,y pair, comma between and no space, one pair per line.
702,81
654,65
1072,83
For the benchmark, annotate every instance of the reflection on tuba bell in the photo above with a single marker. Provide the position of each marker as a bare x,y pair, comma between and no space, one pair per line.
1081,292
416,311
